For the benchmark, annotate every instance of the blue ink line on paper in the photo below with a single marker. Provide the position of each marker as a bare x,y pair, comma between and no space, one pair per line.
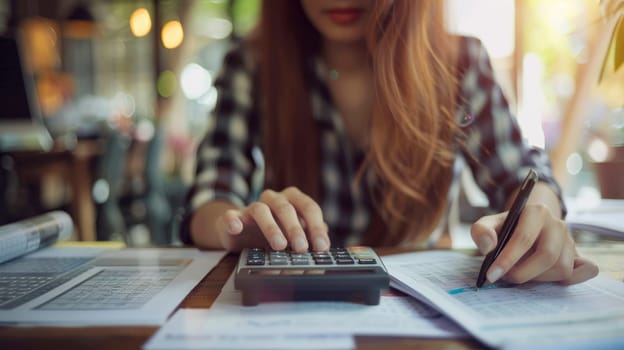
474,289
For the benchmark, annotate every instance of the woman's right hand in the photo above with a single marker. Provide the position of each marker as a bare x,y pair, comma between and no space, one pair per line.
286,218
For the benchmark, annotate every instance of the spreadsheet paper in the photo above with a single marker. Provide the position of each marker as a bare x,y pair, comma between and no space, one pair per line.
90,286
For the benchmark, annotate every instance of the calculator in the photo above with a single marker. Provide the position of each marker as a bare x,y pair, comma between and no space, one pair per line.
341,274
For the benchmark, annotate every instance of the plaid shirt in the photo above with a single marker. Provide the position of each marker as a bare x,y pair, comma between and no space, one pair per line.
230,165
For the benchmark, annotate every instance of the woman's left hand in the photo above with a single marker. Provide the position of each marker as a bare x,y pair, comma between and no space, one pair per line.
540,249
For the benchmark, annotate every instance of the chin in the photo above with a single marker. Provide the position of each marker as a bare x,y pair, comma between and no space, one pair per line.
346,39
343,34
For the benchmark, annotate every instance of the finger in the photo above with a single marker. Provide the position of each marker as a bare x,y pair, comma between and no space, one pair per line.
553,253
230,222
263,217
288,218
563,268
312,215
483,232
530,224
584,269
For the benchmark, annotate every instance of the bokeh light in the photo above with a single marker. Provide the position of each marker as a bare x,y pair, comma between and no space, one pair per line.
598,150
574,164
172,34
195,81
218,28
167,83
140,22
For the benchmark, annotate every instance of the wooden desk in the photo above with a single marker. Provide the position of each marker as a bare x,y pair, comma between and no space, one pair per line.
201,297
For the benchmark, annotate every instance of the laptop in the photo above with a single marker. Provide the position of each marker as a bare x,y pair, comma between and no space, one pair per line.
21,123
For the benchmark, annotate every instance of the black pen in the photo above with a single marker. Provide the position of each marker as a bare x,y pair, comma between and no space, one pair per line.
509,226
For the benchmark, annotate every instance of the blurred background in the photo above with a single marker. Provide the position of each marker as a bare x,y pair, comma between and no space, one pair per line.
124,88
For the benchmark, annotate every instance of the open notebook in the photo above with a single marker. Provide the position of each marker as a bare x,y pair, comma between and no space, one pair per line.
531,315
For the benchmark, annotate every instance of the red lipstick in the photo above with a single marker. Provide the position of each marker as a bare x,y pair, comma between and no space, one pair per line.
344,15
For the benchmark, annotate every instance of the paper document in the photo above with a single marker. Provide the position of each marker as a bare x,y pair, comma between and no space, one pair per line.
28,235
505,315
604,218
82,286
298,325
202,329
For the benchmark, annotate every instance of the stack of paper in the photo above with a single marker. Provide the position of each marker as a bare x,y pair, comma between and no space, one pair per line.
531,315
298,325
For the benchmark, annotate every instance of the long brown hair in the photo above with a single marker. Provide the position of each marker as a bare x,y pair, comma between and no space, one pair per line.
410,151
283,41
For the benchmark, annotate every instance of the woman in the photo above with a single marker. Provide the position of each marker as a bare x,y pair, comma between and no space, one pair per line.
354,114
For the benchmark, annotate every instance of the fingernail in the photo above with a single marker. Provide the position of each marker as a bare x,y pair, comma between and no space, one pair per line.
485,244
321,244
234,225
277,242
494,274
300,243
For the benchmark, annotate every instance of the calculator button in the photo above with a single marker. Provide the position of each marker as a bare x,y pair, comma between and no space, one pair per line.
255,262
345,261
323,261
300,261
368,261
279,258
322,257
278,262
342,256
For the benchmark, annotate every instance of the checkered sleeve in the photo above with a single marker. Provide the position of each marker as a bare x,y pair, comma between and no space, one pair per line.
494,148
224,161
